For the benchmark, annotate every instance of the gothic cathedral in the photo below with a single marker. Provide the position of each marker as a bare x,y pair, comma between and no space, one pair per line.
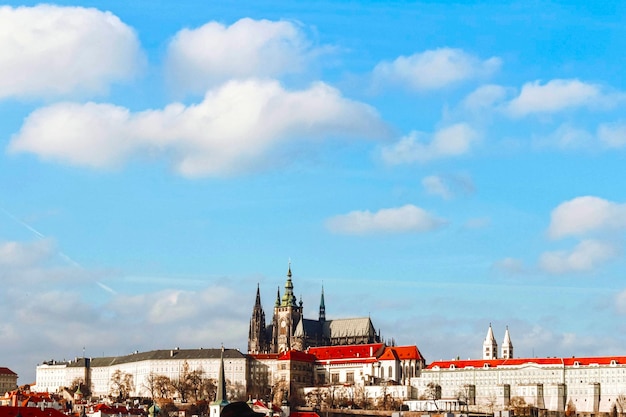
289,330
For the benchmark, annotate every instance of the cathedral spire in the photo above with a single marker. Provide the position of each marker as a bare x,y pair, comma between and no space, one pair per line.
289,300
322,307
277,303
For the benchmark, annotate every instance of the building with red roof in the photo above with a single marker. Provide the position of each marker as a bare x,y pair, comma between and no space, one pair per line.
588,385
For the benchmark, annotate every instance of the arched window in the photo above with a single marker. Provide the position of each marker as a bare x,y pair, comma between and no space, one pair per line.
390,372
382,373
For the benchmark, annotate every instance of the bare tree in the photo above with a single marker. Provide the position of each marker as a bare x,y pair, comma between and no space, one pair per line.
315,398
79,384
620,402
121,385
570,408
162,386
518,405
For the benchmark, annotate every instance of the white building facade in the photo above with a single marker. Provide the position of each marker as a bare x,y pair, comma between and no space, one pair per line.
97,372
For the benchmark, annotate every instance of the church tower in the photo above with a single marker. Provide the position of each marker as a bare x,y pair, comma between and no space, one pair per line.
257,334
287,314
507,345
490,347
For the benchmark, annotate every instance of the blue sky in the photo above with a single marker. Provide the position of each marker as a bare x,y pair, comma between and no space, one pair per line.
437,166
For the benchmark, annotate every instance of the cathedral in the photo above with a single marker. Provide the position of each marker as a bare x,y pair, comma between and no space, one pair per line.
289,330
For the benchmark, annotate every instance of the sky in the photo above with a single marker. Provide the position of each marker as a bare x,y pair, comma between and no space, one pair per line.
437,166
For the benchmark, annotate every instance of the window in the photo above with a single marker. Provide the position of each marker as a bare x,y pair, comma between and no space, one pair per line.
334,378
350,377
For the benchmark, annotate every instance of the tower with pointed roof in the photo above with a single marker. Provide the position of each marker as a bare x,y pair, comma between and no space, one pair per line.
507,345
215,408
287,314
490,346
258,340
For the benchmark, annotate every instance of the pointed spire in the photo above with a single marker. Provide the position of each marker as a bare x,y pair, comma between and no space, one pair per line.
277,302
257,303
490,346
322,307
507,345
220,389
289,300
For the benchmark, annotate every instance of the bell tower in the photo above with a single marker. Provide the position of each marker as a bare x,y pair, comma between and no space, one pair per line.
287,314
490,346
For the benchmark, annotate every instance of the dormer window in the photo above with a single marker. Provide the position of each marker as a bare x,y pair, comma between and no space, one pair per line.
486,365
452,366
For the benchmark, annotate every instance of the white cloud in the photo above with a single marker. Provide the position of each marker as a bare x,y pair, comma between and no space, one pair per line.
586,256
566,137
451,141
200,58
18,254
584,215
433,69
49,50
448,186
485,97
435,185
613,135
234,129
405,219
554,96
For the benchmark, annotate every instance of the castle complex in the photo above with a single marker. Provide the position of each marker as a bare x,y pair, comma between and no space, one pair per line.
345,357
289,330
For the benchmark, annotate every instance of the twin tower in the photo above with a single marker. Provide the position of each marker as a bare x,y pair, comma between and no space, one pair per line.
490,346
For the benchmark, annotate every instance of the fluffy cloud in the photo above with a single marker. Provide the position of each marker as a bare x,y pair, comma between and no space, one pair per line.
49,50
583,215
433,69
587,255
233,129
403,219
200,58
554,96
450,141
485,97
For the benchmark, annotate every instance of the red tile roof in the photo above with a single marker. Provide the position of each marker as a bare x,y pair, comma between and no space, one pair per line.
303,414
7,411
493,363
296,355
7,371
347,353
